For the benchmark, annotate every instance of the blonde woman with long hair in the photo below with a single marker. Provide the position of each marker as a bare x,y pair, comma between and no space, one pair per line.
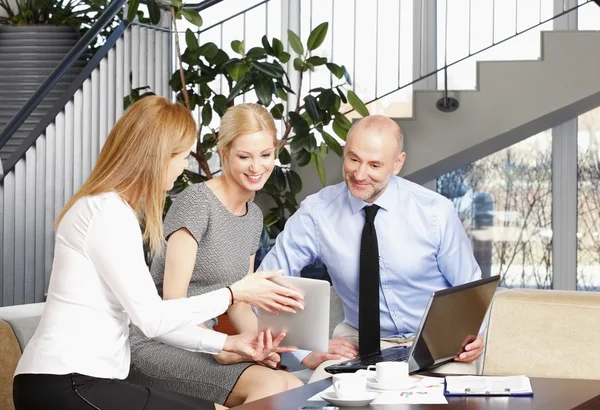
80,352
213,231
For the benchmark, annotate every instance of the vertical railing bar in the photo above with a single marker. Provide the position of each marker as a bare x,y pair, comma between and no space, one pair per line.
310,29
354,52
493,21
540,19
469,27
516,16
421,40
376,43
243,40
332,36
399,43
446,55
267,20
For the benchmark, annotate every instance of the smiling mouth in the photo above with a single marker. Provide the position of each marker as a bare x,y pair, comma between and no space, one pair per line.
254,178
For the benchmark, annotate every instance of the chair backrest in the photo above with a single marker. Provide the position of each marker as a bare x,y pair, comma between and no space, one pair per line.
544,333
10,353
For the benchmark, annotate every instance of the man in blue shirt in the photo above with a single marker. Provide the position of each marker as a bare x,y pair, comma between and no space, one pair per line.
422,244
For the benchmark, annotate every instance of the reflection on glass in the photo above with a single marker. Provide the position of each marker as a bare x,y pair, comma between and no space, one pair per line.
505,204
588,201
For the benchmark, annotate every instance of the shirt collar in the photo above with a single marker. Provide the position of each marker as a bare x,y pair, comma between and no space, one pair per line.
385,201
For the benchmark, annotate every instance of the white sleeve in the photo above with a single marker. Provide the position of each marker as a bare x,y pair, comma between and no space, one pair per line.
114,246
194,339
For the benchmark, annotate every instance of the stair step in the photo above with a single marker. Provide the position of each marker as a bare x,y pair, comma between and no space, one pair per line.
35,64
46,29
34,70
43,42
19,49
22,58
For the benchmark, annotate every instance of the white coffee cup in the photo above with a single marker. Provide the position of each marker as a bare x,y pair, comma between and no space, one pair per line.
390,372
349,385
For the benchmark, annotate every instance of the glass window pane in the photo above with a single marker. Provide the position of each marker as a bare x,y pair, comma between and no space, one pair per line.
588,201
505,203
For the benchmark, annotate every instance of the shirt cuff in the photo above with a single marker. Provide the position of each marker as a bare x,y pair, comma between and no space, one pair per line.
210,305
301,354
195,339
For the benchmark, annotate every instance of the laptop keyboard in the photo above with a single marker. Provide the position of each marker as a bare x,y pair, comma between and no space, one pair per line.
390,355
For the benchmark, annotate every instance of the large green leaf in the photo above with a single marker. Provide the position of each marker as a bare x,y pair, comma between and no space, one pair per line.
284,156
295,42
332,143
271,219
265,43
177,3
316,61
316,37
294,180
299,64
263,91
335,70
302,157
133,9
237,70
309,142
153,11
277,47
256,53
279,179
238,46
191,40
320,167
206,114
220,104
208,50
266,68
357,104
277,111
326,99
310,103
284,57
300,125
192,16
238,87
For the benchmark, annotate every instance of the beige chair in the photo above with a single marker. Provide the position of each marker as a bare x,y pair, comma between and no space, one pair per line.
544,333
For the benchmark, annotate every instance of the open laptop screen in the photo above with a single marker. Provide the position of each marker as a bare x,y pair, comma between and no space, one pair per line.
453,320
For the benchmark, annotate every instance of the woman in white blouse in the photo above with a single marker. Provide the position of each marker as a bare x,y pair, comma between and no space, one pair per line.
80,354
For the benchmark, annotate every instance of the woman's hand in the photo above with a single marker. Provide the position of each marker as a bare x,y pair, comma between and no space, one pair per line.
256,347
257,290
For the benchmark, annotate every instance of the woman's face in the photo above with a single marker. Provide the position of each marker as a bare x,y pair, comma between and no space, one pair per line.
177,164
251,159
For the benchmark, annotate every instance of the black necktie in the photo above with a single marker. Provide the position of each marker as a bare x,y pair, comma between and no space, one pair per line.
368,303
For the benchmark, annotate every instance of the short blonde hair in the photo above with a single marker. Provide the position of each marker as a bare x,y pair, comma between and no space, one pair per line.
239,120
135,159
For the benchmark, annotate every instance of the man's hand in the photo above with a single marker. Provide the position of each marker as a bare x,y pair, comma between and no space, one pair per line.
339,348
472,349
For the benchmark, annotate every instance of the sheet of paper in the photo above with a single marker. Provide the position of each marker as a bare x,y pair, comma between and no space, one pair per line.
429,390
494,384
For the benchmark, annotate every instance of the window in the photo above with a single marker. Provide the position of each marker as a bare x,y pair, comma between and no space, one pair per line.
505,203
588,201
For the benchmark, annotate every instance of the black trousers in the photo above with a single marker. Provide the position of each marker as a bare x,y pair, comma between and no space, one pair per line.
79,392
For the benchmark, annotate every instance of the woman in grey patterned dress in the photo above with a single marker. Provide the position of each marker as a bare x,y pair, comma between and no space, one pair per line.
213,231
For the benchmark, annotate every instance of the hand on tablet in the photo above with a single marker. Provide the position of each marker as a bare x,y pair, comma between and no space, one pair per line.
257,290
339,348
256,347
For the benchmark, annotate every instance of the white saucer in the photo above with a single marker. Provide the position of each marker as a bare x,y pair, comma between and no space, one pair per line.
364,400
395,385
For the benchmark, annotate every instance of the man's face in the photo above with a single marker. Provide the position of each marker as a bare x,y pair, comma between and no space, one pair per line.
370,159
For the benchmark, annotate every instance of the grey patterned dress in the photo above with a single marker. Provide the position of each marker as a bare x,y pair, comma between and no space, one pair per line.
225,244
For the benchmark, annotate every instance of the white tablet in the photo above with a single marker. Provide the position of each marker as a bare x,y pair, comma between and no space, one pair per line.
306,329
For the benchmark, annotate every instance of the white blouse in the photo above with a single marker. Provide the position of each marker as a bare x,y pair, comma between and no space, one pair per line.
99,283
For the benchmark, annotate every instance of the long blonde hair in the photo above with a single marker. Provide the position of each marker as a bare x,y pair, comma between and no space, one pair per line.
135,160
239,120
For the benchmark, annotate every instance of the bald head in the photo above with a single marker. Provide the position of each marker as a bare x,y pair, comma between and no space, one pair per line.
377,124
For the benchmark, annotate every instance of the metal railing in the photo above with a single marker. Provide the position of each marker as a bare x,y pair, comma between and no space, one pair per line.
67,62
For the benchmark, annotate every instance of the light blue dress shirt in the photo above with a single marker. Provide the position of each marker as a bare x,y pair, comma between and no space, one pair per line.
422,248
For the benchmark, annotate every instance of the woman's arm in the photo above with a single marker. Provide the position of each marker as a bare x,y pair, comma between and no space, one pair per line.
179,264
241,315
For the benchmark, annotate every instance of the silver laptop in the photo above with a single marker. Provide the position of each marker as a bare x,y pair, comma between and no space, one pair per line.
452,318
306,329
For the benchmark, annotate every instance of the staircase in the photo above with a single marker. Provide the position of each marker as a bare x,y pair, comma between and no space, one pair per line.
27,56
513,101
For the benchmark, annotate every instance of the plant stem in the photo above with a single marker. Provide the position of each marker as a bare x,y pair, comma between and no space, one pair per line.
199,154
